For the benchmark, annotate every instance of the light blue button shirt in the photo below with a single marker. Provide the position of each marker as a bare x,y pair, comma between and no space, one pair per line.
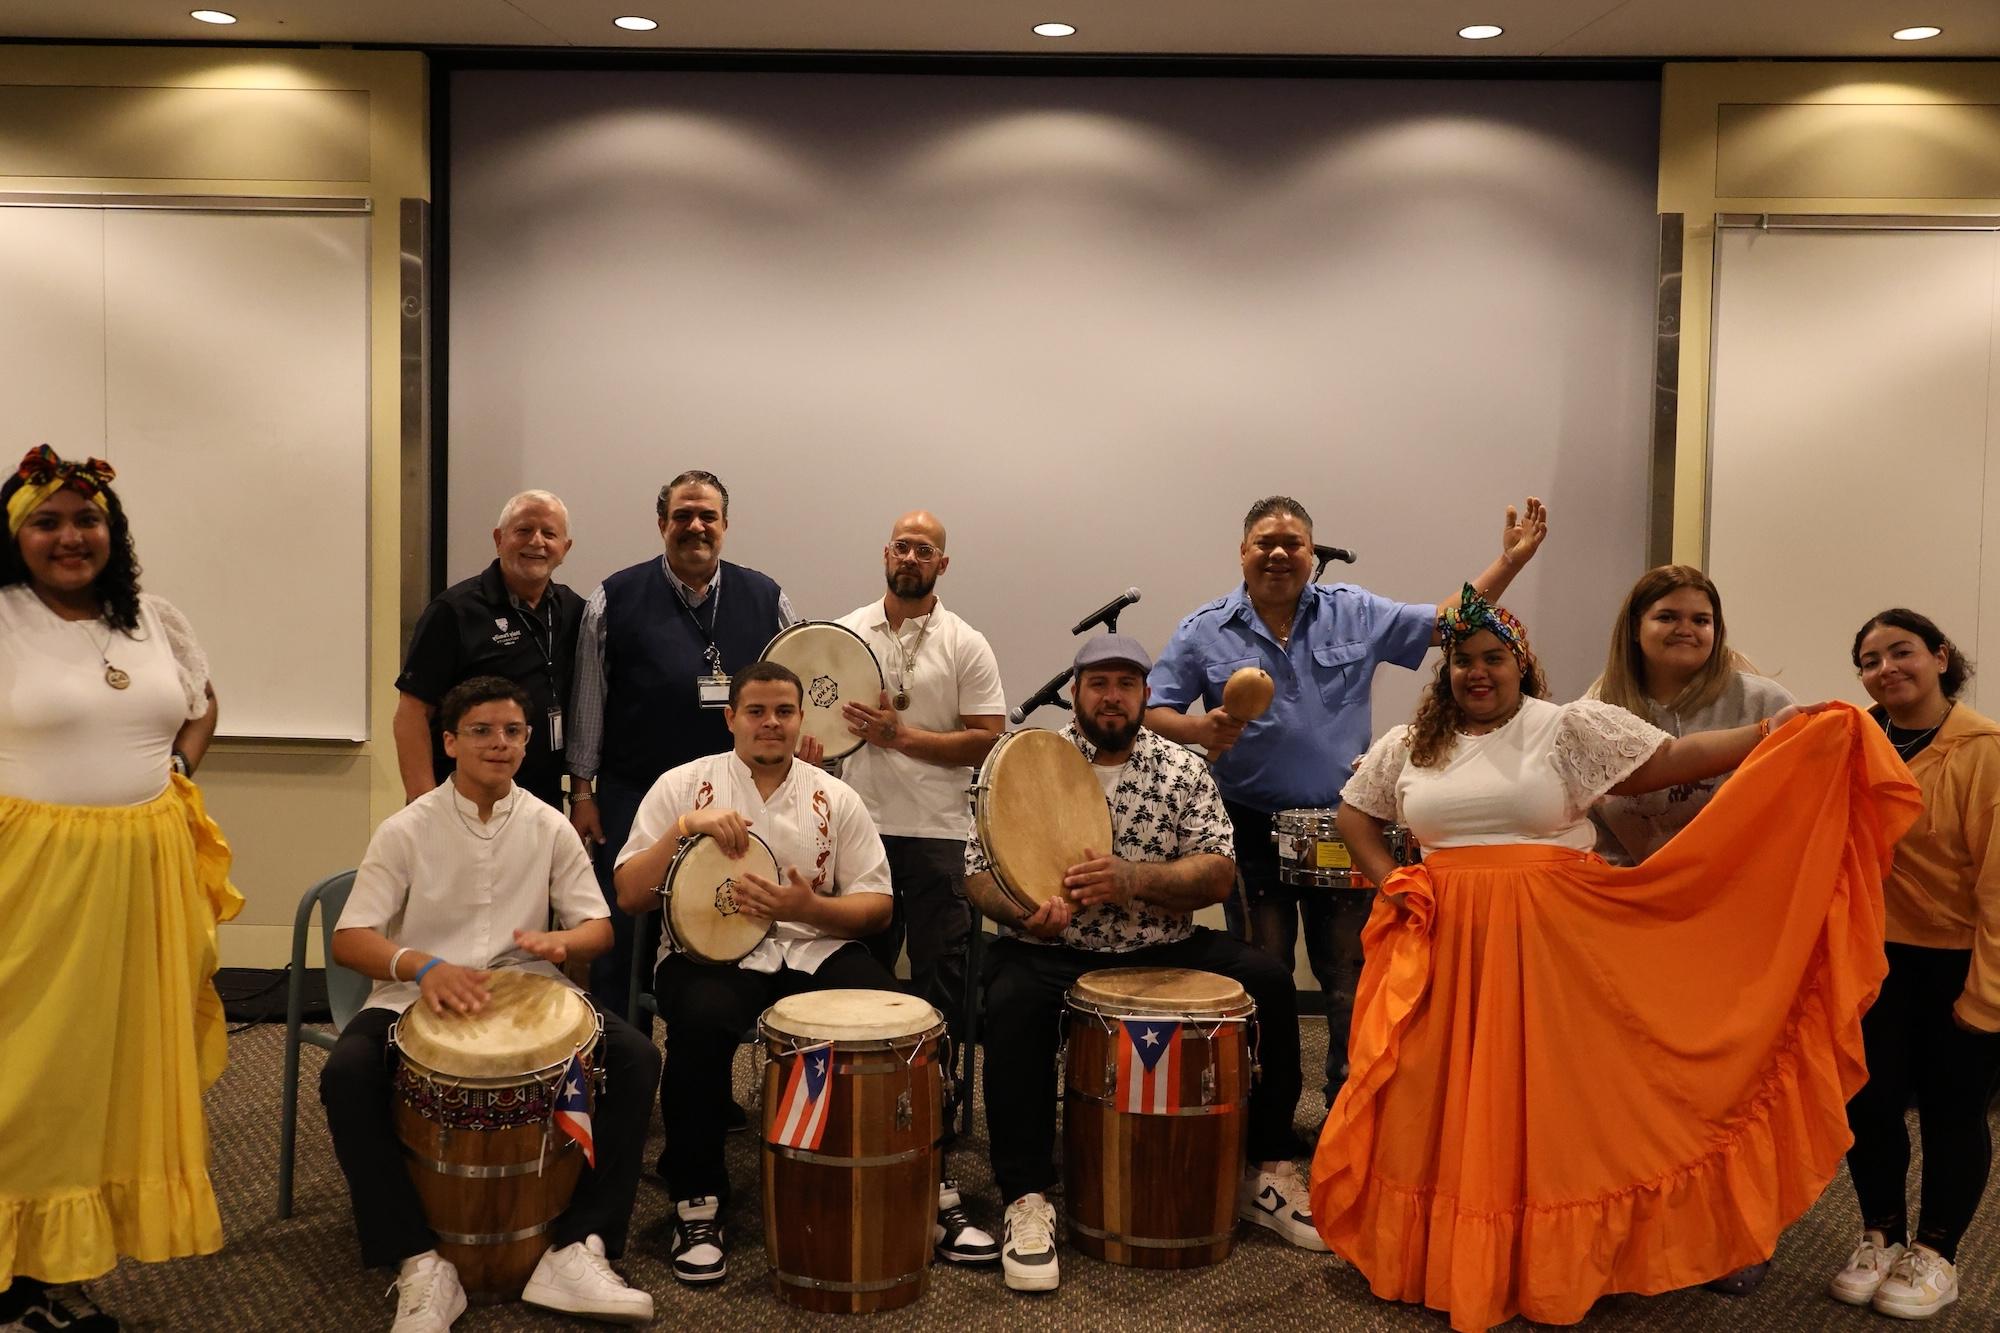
1298,753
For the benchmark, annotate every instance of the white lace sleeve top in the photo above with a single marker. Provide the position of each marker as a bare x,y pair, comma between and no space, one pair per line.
1531,781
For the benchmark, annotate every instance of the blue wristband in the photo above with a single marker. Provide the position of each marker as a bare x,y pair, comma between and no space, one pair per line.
425,968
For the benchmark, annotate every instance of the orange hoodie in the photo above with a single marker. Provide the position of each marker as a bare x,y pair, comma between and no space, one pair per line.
1943,892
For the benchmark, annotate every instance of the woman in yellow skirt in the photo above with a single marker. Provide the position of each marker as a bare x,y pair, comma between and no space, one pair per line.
1569,1079
112,882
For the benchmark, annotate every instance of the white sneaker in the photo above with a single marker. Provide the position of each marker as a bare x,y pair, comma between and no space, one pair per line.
1866,1268
1279,1200
578,1279
1920,1284
1028,1254
954,1237
696,1245
428,1294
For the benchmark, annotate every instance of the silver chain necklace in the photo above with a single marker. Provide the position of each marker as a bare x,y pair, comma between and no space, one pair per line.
1905,749
908,659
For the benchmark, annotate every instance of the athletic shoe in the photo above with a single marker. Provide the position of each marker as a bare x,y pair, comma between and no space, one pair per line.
1920,1284
59,1309
1279,1200
1866,1268
1028,1258
1743,1281
578,1279
954,1237
696,1246
428,1295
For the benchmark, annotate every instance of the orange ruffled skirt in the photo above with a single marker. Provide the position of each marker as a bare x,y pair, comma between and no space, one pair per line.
1568,1079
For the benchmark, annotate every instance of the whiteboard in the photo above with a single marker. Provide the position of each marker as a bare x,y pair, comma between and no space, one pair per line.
219,360
1087,320
1852,422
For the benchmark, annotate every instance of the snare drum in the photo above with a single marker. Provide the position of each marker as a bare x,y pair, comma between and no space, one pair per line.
1153,1153
1310,851
475,1102
847,1220
836,666
698,900
1038,807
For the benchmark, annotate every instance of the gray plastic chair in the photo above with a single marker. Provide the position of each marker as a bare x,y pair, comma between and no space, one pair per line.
346,991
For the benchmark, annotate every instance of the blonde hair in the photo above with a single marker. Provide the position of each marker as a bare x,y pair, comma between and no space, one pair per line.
1624,680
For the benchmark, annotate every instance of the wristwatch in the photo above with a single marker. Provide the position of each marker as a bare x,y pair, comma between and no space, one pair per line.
180,763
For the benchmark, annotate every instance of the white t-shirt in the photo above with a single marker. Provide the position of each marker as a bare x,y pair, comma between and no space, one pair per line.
66,736
950,673
1531,781
436,879
813,821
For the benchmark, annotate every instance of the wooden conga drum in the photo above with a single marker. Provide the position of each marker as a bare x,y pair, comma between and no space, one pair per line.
475,1108
851,1175
1155,1115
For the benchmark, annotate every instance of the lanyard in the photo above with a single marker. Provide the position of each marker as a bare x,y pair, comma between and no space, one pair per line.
707,632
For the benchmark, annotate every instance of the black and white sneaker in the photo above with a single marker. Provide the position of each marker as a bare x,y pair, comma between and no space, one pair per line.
1028,1257
57,1310
1279,1200
954,1237
696,1246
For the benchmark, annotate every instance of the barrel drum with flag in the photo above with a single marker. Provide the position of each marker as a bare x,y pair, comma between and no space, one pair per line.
1156,1096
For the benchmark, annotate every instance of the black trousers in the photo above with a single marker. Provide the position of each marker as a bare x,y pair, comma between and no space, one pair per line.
1915,1050
1269,918
708,1008
611,971
1023,1029
928,877
357,1087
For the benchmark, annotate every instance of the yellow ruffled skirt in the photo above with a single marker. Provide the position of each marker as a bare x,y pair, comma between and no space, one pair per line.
110,1028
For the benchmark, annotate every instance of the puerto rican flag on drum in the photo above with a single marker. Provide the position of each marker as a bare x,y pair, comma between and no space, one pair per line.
572,1114
801,1118
1149,1066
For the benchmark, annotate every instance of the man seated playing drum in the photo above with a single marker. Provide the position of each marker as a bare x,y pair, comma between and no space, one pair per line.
461,881
1130,905
833,891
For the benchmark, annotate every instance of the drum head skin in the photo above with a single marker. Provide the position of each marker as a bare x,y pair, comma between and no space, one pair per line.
531,1022
850,1015
1039,808
702,912
837,667
1159,990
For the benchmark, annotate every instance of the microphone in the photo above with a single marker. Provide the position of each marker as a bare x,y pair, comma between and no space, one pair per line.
1050,693
1107,615
1340,553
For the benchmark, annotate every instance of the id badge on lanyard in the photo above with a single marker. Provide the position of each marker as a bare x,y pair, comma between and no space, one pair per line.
714,686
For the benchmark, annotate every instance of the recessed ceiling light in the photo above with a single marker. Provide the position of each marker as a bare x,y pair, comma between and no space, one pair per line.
1055,30
211,16
635,23
1915,34
1479,32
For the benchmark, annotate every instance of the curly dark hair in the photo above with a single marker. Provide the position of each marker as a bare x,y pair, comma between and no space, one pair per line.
1434,730
1957,667
116,585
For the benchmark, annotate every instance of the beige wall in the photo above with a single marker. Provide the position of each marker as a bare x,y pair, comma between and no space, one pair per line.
247,122
1807,138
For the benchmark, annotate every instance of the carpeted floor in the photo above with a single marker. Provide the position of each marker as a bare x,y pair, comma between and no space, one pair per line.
305,1273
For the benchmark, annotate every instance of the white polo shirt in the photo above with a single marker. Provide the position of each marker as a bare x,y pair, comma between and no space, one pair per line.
813,821
437,879
953,676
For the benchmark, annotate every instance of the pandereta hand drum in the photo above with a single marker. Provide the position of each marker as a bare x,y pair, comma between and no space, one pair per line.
836,666
1038,807
475,1105
698,899
847,1220
1310,851
1155,1114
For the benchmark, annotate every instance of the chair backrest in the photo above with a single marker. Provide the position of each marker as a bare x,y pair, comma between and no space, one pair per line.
346,989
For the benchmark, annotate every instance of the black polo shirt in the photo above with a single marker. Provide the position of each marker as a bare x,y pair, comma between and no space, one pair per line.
476,628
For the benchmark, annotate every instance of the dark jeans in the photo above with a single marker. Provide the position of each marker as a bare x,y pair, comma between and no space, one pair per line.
708,1008
1023,1014
611,971
1333,922
357,1087
1915,1049
928,875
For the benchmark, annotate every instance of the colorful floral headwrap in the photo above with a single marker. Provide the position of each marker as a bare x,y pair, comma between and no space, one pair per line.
43,473
1473,614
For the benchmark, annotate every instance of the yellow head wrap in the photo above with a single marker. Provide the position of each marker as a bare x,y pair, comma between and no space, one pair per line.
43,473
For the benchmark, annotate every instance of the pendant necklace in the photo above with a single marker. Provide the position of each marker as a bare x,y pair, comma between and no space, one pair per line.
908,657
113,676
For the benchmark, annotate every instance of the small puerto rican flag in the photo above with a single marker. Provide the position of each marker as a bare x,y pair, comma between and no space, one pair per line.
1149,1066
573,1108
801,1118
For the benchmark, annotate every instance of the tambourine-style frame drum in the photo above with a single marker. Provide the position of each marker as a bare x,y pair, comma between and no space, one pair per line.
698,902
1156,1188
1038,808
836,666
475,1106
847,1223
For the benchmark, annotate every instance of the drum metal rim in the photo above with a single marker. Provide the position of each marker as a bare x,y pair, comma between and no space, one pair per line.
882,681
1147,1242
501,1171
858,1045
827,1159
1111,1104
549,1073
666,893
1244,1010
982,785
492,1237
828,1284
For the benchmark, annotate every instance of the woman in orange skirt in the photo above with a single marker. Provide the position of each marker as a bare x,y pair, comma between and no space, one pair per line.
1568,1079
